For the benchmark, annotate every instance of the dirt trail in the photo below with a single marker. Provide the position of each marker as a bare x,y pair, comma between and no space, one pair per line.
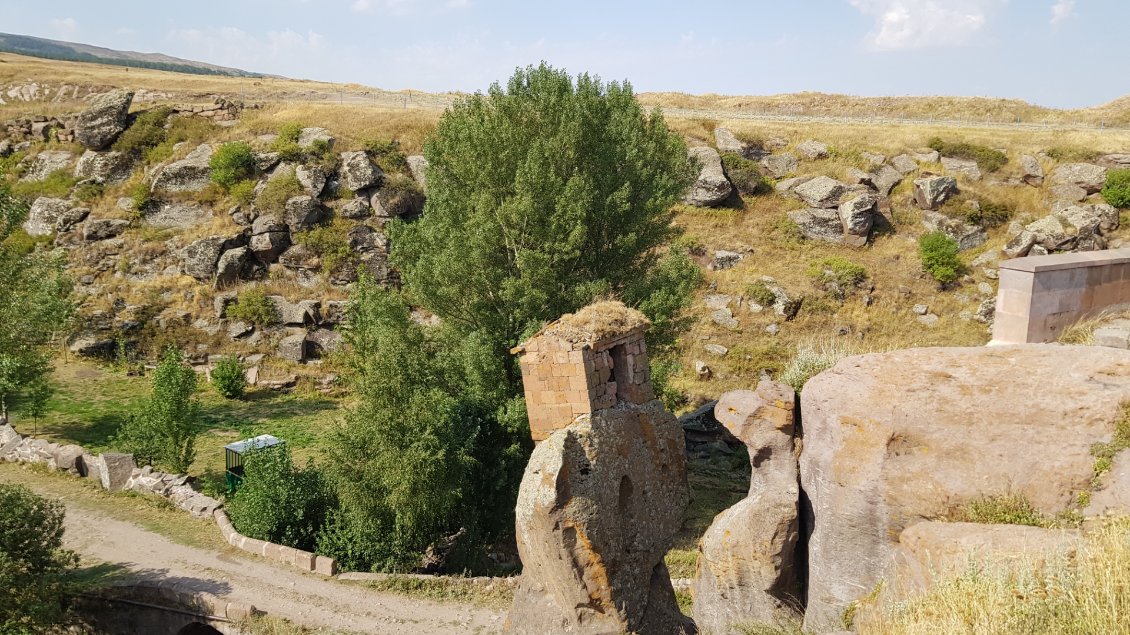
303,598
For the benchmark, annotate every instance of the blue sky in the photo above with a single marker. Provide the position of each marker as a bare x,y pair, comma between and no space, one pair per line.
1061,53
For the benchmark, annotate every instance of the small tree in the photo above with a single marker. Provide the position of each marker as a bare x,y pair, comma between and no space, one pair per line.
35,304
232,163
1116,191
34,584
228,378
163,431
35,400
938,253
278,502
253,306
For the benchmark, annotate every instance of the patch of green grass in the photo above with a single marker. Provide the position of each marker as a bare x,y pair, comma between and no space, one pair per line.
1072,154
278,190
685,601
57,185
988,159
446,589
1104,453
1011,509
838,270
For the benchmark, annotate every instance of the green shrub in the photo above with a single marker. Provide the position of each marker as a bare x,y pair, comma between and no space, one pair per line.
330,242
290,132
938,253
57,185
88,191
21,243
1116,191
1072,154
745,175
1013,509
760,293
278,190
838,270
987,214
228,378
163,431
278,502
988,159
35,581
287,142
191,130
387,155
232,163
147,131
254,307
243,192
141,197
321,153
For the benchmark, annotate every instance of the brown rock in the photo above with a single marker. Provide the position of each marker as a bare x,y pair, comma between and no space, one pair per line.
599,506
958,424
746,571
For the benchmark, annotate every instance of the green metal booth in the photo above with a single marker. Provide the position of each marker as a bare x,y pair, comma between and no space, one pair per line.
234,455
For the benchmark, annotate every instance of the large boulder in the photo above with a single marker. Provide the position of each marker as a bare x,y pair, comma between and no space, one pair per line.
50,215
727,142
780,165
1050,233
821,192
293,347
960,424
269,237
190,174
199,258
115,470
905,164
857,214
747,570
103,167
930,192
1031,172
598,508
313,178
47,163
357,172
966,236
885,179
234,265
1087,176
819,224
812,150
963,167
104,119
308,136
302,213
103,228
712,188
175,215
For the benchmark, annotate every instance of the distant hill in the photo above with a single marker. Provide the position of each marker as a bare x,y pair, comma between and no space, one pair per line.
74,52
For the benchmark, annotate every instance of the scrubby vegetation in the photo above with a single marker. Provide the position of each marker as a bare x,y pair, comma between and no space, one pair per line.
745,175
146,132
939,256
228,377
254,307
163,431
279,502
280,188
386,154
232,163
988,159
1116,191
837,270
58,184
1012,509
329,242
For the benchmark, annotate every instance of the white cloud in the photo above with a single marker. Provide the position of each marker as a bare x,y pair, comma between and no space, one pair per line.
912,24
1062,10
284,52
64,28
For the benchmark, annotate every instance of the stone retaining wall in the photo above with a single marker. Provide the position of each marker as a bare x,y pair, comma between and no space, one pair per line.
1040,296
118,472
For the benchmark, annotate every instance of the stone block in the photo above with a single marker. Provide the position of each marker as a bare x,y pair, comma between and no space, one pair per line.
304,560
252,545
115,470
325,566
286,554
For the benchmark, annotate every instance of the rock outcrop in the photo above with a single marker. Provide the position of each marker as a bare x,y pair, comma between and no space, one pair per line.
746,567
880,456
931,192
47,163
105,118
1087,176
50,215
190,174
598,508
357,172
103,167
712,188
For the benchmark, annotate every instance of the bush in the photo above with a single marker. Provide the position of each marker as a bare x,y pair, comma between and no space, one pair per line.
141,198
88,191
254,307
988,159
387,155
745,175
147,131
989,214
163,431
401,196
1014,509
278,502
1072,154
57,185
279,189
180,130
243,192
290,132
228,378
1116,191
330,243
321,152
812,360
760,293
232,163
287,142
938,253
35,585
837,270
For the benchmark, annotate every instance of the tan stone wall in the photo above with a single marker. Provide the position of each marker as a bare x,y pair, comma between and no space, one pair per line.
1040,296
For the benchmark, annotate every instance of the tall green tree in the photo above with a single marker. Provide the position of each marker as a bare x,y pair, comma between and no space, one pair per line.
34,567
542,197
163,431
35,303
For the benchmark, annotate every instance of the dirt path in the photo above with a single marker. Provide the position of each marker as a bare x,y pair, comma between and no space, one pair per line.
303,598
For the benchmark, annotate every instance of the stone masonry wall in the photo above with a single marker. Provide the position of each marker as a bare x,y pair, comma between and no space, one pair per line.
1040,296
